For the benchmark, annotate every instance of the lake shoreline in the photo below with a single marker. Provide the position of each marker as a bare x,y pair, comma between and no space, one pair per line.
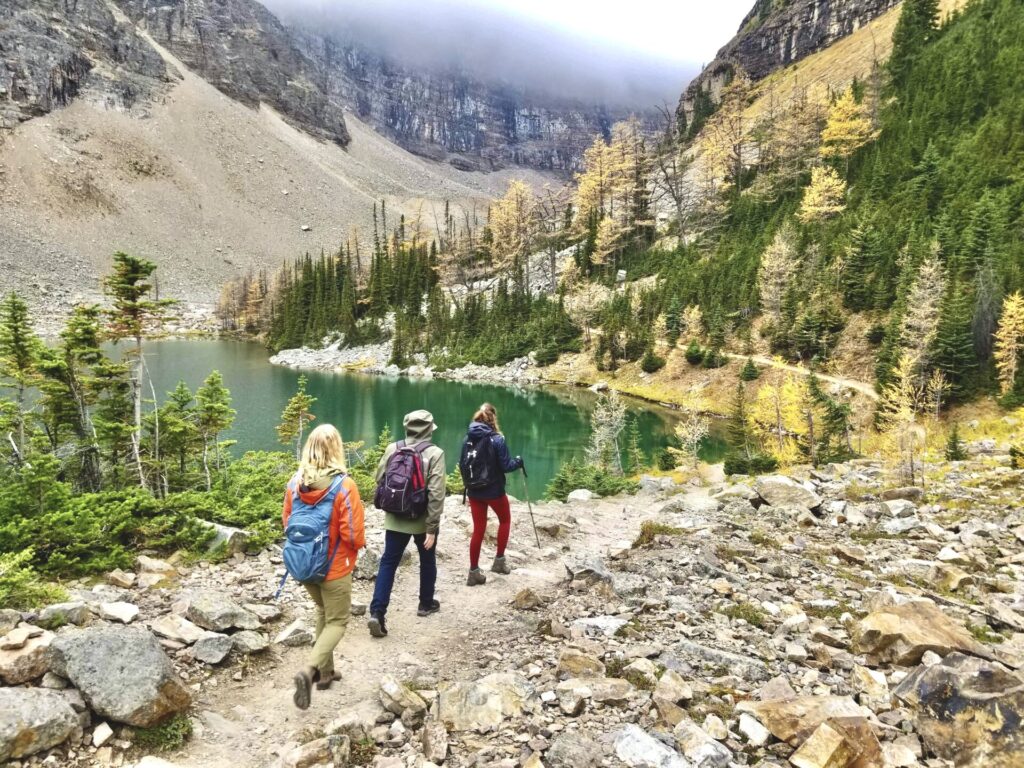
373,360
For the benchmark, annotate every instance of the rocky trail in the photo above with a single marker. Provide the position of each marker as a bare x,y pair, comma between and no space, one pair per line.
248,721
827,618
841,381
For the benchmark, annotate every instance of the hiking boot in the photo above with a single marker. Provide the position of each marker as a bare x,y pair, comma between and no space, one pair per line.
378,628
304,688
476,576
501,566
426,610
325,680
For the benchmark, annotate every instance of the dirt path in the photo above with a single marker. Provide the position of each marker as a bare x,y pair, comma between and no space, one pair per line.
858,386
246,722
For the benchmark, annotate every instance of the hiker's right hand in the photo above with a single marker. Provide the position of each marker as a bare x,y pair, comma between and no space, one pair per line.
428,543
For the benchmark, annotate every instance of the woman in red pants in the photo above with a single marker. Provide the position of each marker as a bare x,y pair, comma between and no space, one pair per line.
484,462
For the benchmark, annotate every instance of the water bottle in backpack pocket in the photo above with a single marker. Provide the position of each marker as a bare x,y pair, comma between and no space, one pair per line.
402,489
307,551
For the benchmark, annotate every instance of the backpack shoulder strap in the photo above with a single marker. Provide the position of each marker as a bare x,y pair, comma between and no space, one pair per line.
421,447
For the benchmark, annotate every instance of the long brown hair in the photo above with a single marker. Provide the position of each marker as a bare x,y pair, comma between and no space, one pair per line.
486,414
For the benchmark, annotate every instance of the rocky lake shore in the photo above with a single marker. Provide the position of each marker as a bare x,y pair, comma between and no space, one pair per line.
826,618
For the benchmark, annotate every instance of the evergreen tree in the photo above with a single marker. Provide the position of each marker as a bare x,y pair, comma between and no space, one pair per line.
180,434
20,349
214,415
917,25
738,424
636,460
132,311
953,348
70,390
749,371
295,417
955,449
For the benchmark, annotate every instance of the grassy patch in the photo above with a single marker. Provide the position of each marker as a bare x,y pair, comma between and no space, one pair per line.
165,737
871,535
649,529
725,552
363,752
828,612
985,634
762,539
614,666
749,612
638,679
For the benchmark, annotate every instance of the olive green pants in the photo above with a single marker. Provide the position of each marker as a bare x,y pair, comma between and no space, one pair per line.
333,605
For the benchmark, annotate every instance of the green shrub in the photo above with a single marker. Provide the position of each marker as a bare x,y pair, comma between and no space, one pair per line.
757,464
713,358
546,355
453,484
749,371
694,354
649,529
574,474
166,737
20,585
666,461
651,363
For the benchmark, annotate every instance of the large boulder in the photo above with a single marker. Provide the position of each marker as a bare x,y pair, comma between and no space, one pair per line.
231,539
638,749
572,749
212,648
122,672
782,491
177,628
794,720
33,719
24,654
397,698
902,634
698,746
968,710
217,612
483,703
575,663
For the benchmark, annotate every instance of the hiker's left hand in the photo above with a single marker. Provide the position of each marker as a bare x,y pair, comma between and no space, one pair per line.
428,543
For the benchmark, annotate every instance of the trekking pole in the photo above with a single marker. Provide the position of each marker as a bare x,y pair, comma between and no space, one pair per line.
526,491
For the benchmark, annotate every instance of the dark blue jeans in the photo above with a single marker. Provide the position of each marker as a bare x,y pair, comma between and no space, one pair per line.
394,547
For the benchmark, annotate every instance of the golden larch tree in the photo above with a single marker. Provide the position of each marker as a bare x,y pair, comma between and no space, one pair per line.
847,128
824,197
1008,338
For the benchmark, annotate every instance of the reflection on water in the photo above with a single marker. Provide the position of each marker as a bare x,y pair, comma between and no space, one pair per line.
546,426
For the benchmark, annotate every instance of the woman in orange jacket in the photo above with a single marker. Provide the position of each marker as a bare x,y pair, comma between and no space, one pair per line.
322,472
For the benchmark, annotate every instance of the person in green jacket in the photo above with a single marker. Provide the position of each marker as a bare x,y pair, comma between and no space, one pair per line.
419,429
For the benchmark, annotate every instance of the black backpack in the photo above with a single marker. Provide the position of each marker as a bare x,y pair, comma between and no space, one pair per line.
477,463
402,489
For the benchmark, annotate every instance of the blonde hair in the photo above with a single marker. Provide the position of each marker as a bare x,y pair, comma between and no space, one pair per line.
487,414
323,450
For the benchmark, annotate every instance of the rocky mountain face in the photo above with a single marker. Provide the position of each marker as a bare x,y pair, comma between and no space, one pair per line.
472,124
52,52
243,50
777,33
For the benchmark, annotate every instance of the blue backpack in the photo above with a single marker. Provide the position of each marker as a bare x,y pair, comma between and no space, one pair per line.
308,535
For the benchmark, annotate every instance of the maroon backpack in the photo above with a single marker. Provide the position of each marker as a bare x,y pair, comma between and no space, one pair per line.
402,489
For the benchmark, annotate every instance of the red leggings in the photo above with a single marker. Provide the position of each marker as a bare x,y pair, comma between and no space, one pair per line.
479,509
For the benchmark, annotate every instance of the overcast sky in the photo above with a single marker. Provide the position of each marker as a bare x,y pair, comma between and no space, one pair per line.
635,52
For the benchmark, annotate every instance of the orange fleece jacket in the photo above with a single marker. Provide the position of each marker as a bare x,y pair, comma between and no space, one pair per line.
347,525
